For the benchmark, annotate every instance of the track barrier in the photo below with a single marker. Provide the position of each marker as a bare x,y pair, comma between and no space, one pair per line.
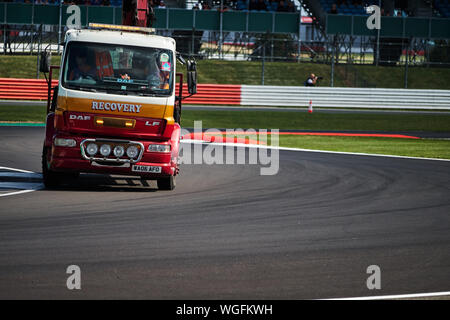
249,95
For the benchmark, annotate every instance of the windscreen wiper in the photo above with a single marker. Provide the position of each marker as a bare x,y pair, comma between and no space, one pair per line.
83,88
146,92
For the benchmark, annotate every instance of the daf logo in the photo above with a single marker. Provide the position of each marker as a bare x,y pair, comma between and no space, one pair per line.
75,117
125,80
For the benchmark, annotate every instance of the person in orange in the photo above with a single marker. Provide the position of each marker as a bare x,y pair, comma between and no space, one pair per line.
103,64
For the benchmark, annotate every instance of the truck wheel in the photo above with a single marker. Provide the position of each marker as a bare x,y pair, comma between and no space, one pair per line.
167,183
51,179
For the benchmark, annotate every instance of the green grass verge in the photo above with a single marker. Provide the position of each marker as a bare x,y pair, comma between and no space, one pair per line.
280,120
23,66
401,147
316,121
394,77
22,113
276,73
334,121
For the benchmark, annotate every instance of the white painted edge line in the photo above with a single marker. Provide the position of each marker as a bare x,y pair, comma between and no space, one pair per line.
17,192
306,150
398,296
18,170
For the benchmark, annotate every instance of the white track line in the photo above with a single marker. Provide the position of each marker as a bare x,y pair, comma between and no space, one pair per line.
398,296
36,186
17,192
306,150
14,169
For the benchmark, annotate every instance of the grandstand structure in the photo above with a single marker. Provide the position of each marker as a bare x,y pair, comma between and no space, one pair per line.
413,32
442,7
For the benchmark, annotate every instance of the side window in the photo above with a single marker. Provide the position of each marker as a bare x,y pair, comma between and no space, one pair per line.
80,64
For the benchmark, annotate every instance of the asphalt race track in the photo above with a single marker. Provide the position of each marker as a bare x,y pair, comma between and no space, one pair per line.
226,232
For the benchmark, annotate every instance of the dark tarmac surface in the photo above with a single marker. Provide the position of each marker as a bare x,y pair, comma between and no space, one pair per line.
226,232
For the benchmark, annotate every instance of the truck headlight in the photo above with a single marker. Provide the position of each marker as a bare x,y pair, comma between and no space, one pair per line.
132,152
119,151
105,150
61,142
159,148
91,149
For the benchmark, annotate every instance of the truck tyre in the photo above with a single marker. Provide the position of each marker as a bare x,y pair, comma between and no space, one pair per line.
167,183
51,178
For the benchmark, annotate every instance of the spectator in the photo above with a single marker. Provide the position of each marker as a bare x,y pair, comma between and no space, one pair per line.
333,9
282,7
253,5
291,7
311,80
241,5
7,39
272,5
162,5
196,7
150,13
261,6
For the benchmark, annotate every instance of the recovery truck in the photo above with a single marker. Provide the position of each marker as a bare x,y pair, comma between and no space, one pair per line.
114,110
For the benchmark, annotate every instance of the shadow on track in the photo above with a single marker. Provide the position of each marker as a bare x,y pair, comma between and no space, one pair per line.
109,183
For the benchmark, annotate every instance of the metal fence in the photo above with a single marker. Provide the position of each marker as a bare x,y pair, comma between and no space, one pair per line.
251,36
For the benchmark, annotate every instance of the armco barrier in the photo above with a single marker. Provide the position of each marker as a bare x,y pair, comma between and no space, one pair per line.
246,95
24,89
345,97
214,94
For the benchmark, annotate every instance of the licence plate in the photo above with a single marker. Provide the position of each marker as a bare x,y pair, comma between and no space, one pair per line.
149,169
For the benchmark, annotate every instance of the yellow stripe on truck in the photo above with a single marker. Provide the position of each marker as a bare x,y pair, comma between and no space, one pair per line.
110,107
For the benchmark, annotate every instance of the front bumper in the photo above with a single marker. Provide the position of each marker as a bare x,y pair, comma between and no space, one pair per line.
71,159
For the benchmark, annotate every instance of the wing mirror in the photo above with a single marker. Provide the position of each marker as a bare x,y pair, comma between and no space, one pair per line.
44,61
192,76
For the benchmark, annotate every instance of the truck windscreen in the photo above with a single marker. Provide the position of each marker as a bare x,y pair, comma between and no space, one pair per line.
118,69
